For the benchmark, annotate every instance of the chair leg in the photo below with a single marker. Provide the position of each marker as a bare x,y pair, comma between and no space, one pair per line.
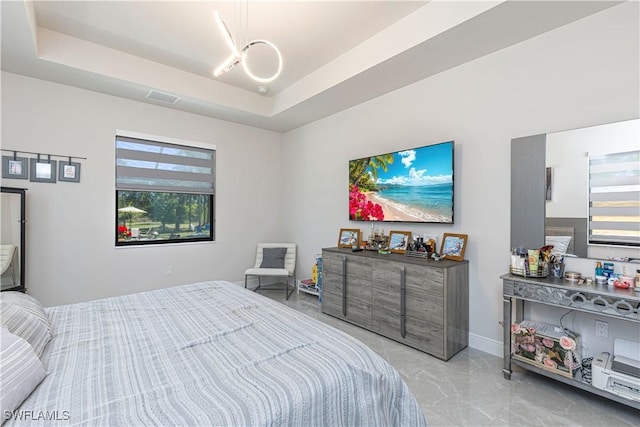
245,281
259,284
286,290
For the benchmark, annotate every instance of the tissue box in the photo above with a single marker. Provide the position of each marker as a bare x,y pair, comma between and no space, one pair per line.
546,346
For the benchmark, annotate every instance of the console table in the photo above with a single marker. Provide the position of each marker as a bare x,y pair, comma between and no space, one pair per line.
601,300
419,302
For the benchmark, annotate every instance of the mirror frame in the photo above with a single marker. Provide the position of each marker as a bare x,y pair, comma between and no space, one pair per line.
22,193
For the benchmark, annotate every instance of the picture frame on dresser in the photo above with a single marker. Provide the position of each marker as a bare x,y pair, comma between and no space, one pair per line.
349,237
453,246
398,241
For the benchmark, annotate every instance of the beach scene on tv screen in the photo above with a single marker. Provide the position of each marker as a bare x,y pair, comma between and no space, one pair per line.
414,185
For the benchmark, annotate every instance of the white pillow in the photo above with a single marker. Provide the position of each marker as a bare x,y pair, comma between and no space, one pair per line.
20,372
24,316
560,244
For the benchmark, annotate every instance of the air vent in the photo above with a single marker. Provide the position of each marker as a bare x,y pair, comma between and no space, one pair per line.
163,97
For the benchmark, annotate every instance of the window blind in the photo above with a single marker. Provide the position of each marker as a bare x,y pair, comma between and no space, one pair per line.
144,165
614,199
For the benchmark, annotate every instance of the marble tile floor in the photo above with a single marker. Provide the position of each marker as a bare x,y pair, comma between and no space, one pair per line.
469,389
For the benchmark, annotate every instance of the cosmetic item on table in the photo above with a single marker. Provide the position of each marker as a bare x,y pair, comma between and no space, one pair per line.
572,276
557,269
534,257
598,268
607,270
623,282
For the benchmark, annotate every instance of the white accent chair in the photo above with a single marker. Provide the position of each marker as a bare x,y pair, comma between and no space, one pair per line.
267,269
7,254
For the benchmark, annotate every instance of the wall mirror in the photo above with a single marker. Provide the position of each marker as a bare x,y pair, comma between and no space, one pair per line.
550,186
12,248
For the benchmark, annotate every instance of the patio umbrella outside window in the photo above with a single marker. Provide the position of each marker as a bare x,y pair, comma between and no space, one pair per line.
131,210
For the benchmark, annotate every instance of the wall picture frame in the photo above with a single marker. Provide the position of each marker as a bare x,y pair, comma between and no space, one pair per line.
68,171
453,246
548,184
14,167
349,237
43,170
398,241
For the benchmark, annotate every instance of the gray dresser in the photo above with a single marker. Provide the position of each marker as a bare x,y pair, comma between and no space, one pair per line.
421,303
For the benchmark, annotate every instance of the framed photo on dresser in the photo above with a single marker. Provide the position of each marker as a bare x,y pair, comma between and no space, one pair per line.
453,246
349,237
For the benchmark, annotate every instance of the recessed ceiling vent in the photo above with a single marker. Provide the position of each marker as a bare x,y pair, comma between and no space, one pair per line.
163,97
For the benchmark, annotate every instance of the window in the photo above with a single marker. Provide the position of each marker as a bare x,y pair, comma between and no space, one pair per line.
614,199
164,191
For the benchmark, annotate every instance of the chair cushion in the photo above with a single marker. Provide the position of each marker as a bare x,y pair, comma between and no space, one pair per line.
20,372
24,316
273,257
267,272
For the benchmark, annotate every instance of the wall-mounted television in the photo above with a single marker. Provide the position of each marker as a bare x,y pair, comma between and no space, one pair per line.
413,185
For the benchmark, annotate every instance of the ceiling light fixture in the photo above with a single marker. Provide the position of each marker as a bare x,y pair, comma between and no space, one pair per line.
240,56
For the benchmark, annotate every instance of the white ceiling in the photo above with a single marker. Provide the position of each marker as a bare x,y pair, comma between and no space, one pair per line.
336,53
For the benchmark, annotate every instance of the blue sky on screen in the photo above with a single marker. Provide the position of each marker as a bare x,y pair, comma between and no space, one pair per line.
420,166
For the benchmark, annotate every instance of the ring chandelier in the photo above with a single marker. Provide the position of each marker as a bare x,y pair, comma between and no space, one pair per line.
240,56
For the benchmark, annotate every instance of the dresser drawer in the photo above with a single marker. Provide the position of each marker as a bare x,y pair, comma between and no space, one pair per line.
358,311
422,335
354,267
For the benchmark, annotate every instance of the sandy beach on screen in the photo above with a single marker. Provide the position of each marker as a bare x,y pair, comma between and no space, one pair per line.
391,213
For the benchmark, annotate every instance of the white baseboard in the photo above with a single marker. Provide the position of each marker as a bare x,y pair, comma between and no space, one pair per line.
485,344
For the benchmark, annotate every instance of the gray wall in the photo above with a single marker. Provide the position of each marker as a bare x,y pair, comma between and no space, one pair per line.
527,191
579,75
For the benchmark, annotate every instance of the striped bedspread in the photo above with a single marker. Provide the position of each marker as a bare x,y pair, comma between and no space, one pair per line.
210,354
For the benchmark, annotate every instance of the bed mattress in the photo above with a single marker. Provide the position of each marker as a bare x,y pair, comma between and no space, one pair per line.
213,354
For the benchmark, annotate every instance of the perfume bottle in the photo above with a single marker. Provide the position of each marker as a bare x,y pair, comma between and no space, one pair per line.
598,268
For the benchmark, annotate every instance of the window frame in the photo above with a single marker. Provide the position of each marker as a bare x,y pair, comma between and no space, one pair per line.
211,197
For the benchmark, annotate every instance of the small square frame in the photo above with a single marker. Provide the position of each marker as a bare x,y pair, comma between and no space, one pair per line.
398,241
349,237
15,167
453,246
68,171
37,174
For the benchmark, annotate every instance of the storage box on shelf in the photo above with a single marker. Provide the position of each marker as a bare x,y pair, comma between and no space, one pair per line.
308,286
546,346
313,285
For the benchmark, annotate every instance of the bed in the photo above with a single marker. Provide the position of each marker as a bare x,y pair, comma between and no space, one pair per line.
210,353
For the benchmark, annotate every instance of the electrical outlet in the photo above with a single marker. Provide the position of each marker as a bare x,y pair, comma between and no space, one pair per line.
602,329
169,271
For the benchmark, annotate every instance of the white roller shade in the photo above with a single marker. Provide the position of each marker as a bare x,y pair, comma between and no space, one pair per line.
614,199
144,165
